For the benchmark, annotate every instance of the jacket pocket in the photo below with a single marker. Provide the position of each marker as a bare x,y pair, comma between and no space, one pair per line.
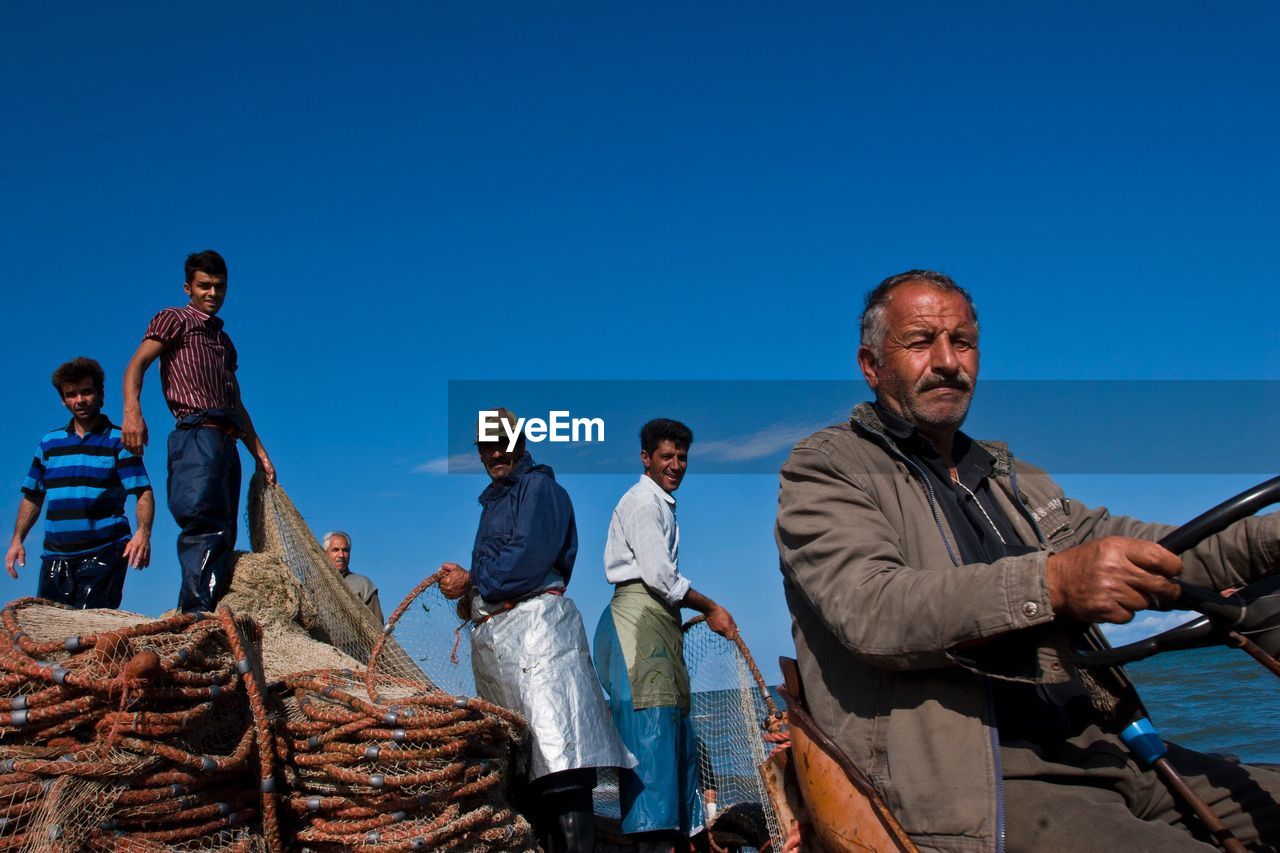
1054,522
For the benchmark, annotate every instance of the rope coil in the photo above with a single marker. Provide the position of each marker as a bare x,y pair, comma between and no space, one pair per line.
435,781
138,737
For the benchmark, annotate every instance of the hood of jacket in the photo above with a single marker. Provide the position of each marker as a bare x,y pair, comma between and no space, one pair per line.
499,488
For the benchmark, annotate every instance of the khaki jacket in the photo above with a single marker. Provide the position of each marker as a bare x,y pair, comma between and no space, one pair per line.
880,603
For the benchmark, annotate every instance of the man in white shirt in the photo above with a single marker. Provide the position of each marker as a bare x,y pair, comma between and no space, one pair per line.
640,649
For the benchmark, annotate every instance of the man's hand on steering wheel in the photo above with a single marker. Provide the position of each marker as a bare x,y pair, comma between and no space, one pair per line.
1111,579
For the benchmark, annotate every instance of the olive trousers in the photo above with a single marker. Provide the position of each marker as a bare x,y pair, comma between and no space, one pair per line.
1090,794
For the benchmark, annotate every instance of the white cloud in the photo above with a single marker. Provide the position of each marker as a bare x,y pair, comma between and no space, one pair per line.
1145,624
458,463
755,445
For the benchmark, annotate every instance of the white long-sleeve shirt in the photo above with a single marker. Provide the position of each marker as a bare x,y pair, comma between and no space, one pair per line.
644,542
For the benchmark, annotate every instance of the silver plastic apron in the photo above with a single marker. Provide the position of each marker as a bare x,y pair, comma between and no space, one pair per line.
534,660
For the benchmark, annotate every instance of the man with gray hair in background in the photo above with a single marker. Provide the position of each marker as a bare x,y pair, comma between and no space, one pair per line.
337,547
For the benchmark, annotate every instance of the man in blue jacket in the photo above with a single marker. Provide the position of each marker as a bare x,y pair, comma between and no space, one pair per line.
529,648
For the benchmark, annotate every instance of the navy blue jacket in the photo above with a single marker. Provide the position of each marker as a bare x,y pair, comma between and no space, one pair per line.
526,530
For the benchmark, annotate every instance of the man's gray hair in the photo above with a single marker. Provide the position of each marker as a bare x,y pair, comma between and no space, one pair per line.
334,534
874,327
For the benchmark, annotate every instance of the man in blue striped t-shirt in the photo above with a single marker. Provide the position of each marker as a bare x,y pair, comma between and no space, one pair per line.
85,473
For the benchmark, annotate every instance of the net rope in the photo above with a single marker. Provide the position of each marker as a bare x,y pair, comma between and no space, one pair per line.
242,731
399,767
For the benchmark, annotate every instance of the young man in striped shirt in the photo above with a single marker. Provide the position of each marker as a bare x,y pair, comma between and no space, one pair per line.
198,377
84,473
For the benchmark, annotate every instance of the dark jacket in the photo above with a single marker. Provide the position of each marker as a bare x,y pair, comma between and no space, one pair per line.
526,532
880,603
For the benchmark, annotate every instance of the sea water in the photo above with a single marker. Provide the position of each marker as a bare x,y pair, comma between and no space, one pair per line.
1212,700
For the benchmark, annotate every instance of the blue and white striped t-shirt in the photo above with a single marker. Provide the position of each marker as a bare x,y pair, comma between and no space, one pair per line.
84,481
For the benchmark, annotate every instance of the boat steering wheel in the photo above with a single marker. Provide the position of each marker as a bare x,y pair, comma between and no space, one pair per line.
1250,614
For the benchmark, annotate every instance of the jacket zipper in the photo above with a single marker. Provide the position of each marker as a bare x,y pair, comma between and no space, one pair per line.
995,746
1022,504
933,500
991,710
995,754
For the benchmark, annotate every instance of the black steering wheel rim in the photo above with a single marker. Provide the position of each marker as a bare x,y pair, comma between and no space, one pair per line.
1219,614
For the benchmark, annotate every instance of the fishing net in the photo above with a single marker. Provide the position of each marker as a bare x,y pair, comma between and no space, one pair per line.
129,734
733,713
432,633
380,759
325,607
736,718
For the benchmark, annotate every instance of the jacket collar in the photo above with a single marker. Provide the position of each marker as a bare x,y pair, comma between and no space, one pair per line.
524,465
899,428
865,419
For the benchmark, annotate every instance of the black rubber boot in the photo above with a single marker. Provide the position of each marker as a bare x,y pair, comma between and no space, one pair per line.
654,847
576,831
657,842
561,811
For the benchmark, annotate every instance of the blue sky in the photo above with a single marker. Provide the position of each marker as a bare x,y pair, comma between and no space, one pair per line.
417,193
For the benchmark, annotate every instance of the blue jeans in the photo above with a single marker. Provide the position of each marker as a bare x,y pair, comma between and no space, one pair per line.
90,580
204,498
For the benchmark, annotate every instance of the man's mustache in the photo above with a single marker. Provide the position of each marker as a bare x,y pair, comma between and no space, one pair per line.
960,382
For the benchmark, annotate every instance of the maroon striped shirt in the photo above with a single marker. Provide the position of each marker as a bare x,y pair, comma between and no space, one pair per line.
198,363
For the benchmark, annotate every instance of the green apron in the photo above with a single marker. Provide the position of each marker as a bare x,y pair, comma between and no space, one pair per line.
653,647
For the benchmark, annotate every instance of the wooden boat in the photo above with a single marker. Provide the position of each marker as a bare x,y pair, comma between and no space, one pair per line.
814,784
